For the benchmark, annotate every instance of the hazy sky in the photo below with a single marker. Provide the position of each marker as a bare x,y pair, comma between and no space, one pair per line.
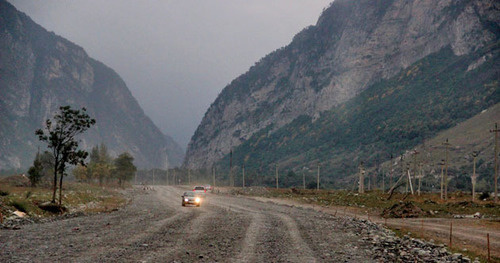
176,56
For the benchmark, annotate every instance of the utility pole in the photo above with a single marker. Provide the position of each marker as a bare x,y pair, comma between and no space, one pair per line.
303,179
474,176
415,153
361,189
231,179
442,180
277,176
420,177
213,175
403,172
409,177
391,172
446,144
383,180
496,130
317,179
243,172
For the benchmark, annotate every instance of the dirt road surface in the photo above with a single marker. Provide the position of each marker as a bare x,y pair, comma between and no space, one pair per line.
466,233
156,228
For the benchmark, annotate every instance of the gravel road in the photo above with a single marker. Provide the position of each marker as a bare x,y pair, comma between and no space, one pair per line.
156,228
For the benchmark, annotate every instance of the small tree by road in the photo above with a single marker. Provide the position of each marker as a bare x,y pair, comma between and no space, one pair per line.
60,137
124,168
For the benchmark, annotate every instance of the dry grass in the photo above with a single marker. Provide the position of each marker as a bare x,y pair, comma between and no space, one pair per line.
77,197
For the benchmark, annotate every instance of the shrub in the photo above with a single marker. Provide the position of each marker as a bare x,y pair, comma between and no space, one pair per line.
4,193
21,206
484,195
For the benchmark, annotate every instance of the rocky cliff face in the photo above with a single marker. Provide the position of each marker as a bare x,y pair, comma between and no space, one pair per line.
40,71
353,45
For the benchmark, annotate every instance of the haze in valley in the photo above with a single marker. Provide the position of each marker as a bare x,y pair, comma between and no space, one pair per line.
176,56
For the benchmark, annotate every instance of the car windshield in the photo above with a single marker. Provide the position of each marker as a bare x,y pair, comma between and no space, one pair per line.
199,188
188,194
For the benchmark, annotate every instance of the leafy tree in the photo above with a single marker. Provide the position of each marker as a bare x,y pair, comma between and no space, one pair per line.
124,168
81,173
35,173
101,171
61,139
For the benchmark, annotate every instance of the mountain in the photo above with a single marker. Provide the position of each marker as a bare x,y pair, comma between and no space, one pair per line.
40,71
370,78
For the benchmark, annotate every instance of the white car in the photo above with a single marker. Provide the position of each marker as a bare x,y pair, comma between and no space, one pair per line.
191,198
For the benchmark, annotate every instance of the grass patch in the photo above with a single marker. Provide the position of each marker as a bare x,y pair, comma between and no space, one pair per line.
20,205
374,202
77,197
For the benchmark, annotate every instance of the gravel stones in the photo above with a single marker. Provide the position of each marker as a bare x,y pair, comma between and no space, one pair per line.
387,247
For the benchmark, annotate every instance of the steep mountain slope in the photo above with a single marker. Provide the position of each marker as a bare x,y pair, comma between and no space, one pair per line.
464,138
389,117
40,71
327,67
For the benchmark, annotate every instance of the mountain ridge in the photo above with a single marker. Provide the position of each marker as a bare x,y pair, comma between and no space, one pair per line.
354,45
41,71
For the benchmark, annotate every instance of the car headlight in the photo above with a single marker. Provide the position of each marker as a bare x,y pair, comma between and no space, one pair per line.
186,200
197,200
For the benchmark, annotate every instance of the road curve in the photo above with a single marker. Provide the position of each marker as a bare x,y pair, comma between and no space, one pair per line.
156,228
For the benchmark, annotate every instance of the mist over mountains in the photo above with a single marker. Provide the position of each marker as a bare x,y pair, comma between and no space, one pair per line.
41,71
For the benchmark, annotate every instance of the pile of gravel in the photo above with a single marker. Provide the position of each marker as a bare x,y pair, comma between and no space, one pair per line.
387,247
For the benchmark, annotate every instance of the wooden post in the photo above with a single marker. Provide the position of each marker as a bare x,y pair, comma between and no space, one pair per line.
409,179
277,185
1,218
474,177
451,233
446,144
243,172
488,240
442,180
420,178
213,175
303,179
317,179
167,175
361,189
496,130
231,180
415,153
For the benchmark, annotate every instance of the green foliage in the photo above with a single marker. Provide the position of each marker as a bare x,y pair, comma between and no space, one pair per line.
4,193
35,173
124,168
391,116
20,205
60,136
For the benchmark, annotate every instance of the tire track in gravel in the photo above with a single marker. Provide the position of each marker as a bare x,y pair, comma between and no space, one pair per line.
282,234
163,233
124,231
